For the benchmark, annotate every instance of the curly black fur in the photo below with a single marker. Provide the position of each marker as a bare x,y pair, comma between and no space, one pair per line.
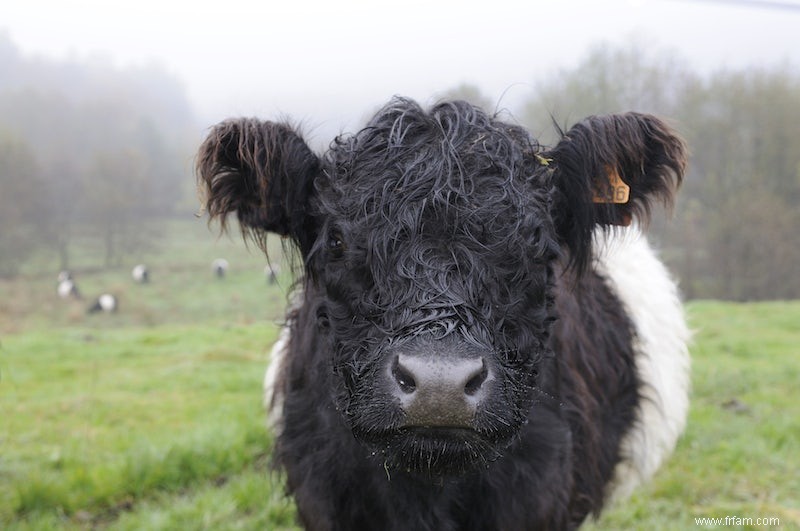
448,225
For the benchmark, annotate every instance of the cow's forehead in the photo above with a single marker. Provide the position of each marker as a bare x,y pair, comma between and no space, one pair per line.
454,150
395,191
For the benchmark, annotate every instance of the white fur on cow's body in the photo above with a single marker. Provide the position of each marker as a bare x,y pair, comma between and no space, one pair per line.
66,288
650,297
219,267
273,397
106,303
140,273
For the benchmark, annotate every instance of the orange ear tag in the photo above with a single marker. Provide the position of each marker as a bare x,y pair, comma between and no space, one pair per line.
617,192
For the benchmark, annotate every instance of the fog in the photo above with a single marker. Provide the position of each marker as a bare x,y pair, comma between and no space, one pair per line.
328,63
103,105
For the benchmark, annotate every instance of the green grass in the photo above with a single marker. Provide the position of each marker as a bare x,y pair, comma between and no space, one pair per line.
152,418
182,290
149,411
740,455
96,422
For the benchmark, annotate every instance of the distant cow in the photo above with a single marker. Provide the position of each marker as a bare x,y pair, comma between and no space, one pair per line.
219,267
104,303
141,274
66,287
484,338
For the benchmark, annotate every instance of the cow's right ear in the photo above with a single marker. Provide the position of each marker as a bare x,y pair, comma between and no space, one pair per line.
264,171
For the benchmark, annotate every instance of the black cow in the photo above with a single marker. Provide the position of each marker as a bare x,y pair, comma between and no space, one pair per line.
483,338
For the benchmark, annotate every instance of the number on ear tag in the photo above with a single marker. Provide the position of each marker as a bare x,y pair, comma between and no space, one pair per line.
616,192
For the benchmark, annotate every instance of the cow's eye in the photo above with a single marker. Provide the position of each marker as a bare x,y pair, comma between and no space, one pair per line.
322,318
336,245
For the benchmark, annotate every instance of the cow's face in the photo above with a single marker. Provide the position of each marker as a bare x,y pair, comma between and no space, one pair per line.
433,259
429,241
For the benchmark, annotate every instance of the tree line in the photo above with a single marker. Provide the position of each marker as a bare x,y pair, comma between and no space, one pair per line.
89,149
86,149
735,231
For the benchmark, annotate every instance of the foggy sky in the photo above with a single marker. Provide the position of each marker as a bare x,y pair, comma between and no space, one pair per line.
327,64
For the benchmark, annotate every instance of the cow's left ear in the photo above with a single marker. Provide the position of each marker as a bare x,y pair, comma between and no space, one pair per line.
610,170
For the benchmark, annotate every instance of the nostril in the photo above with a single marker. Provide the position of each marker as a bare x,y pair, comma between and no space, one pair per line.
403,377
475,382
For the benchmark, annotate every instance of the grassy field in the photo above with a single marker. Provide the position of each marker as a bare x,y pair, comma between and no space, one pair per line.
740,455
151,418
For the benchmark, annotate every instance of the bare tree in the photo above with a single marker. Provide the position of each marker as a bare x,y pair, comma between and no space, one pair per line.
735,233
23,217
111,145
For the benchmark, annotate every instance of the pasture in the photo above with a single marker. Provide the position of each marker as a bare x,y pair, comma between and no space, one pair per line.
151,418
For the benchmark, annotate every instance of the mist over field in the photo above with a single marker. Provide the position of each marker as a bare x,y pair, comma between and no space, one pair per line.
102,156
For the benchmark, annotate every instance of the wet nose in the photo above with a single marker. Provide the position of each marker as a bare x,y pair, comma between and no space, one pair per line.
440,391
